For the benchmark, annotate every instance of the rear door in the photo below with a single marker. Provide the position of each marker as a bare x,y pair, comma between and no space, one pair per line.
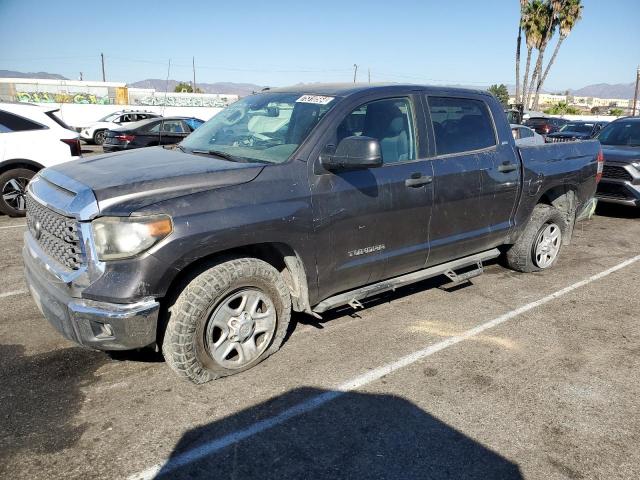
467,187
373,223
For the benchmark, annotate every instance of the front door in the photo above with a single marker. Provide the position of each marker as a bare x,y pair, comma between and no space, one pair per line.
375,220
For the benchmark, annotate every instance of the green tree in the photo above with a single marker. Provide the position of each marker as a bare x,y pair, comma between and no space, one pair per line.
595,110
501,93
561,108
566,14
616,112
530,21
185,87
545,25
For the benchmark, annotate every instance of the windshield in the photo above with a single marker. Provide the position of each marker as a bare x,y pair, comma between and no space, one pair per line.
621,133
577,127
109,117
267,127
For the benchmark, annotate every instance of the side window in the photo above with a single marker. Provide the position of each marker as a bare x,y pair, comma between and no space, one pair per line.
193,123
389,121
516,132
172,126
461,125
15,123
525,133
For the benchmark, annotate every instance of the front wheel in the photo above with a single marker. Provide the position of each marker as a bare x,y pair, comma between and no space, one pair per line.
13,185
226,320
539,245
99,136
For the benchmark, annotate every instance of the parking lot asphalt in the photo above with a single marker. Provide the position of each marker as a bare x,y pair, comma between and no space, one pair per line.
511,376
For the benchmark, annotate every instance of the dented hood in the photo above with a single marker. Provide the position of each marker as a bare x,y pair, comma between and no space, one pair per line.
127,181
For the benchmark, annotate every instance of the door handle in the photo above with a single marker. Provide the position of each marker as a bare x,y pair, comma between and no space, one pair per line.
418,180
507,167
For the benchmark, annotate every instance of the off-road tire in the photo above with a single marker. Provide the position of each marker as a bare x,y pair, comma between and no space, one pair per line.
183,347
98,137
520,255
6,177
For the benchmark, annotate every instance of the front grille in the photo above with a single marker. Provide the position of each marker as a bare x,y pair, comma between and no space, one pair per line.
613,190
56,234
612,171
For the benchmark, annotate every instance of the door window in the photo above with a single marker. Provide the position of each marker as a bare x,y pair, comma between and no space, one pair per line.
172,126
389,121
526,133
461,125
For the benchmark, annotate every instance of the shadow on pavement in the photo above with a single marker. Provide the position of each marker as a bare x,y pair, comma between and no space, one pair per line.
354,436
617,211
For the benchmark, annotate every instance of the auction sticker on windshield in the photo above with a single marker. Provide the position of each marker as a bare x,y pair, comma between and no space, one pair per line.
317,99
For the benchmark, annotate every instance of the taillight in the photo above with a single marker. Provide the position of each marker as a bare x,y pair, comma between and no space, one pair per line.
125,138
74,146
600,166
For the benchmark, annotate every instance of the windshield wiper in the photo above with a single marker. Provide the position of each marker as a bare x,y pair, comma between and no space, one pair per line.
217,153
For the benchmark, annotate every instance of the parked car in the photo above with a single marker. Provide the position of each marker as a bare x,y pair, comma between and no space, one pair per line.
545,125
525,136
31,138
621,149
576,130
148,133
304,198
95,132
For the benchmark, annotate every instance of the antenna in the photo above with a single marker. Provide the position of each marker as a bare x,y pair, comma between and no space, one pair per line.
164,104
355,72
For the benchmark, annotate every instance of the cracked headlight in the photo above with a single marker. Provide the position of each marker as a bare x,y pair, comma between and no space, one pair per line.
125,237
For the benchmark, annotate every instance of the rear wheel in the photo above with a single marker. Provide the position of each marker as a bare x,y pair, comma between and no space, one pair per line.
13,191
226,320
539,245
98,137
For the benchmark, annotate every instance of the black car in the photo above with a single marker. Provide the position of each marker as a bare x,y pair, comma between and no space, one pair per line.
151,132
545,125
577,130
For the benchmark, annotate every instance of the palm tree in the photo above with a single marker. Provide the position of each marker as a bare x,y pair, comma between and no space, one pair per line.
523,5
567,13
534,26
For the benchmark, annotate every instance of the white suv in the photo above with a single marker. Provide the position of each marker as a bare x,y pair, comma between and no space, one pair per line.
31,138
95,132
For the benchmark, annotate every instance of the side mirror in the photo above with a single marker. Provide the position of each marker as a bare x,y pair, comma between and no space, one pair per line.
353,153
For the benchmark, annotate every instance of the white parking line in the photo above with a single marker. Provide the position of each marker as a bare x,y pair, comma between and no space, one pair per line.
12,293
14,226
313,403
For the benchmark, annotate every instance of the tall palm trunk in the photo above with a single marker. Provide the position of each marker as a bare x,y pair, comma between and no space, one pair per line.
518,64
536,75
546,70
526,76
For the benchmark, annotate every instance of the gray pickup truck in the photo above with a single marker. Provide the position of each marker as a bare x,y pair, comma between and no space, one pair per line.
297,199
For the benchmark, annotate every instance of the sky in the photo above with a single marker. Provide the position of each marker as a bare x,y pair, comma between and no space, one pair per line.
278,43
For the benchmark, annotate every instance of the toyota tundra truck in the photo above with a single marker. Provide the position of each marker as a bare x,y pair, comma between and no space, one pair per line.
297,199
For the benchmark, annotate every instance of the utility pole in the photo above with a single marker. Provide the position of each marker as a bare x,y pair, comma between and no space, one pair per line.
193,59
369,73
355,72
635,94
80,76
104,78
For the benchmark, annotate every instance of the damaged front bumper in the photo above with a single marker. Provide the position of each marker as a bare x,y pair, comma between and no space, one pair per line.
100,325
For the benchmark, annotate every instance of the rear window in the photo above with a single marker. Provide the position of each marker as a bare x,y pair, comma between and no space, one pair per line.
536,121
461,125
577,127
15,123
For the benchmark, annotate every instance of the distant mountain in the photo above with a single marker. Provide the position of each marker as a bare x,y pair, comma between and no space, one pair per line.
160,85
606,90
14,74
